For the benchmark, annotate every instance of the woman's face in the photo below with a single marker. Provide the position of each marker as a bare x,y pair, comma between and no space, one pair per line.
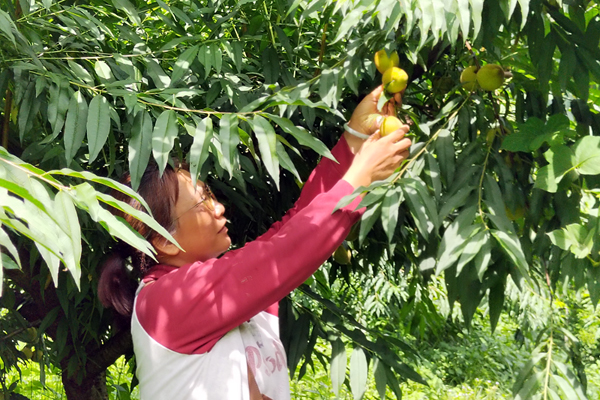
200,223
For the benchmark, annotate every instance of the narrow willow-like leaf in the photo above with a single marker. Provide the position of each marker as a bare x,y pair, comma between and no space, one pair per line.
140,215
389,211
509,242
338,365
286,162
65,212
140,147
302,136
8,245
7,26
25,110
52,261
80,72
101,180
230,138
199,150
379,371
496,300
471,249
98,125
182,65
454,239
163,138
267,144
205,57
359,369
367,221
75,125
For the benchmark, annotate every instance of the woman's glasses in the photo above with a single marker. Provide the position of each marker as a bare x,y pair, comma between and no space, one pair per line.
208,200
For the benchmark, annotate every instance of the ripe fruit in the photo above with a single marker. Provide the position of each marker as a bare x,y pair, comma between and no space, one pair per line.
490,77
27,352
383,62
37,356
468,78
394,80
342,255
31,334
389,125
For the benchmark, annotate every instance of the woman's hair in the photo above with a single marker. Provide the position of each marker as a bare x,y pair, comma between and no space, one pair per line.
117,284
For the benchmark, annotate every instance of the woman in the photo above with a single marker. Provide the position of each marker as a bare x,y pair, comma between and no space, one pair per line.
205,327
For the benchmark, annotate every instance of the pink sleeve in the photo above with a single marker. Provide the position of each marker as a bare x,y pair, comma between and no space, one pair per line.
191,308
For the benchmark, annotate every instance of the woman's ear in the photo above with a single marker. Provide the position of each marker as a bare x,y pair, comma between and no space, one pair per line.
164,247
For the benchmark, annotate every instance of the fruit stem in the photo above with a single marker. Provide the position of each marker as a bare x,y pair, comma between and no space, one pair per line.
468,46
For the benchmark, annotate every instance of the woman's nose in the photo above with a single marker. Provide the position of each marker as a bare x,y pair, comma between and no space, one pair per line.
219,209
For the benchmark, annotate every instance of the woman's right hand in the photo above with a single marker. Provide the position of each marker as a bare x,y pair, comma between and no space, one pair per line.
378,158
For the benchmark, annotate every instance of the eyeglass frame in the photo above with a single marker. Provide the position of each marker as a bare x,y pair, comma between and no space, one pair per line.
209,200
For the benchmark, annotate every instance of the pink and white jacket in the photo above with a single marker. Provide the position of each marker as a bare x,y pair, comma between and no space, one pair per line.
197,329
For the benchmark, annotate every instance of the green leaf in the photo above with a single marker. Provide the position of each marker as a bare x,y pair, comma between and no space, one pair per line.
101,180
455,239
286,162
138,214
328,87
389,211
368,219
64,211
302,136
565,387
560,161
270,65
421,205
586,155
60,95
163,137
471,249
476,15
530,386
455,201
182,65
338,365
75,125
496,299
7,26
129,9
199,150
26,110
98,125
103,71
267,144
140,147
8,245
119,228
359,369
80,72
483,257
509,242
495,204
205,57
230,138
379,370
159,77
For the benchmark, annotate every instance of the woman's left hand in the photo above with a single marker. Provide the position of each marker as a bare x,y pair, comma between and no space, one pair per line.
366,119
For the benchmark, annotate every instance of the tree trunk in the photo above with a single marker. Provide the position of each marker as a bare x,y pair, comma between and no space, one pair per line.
89,389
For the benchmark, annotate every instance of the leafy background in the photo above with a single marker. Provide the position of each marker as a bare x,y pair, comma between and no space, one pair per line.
497,209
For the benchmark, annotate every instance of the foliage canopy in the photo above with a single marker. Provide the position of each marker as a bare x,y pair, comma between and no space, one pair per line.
502,188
